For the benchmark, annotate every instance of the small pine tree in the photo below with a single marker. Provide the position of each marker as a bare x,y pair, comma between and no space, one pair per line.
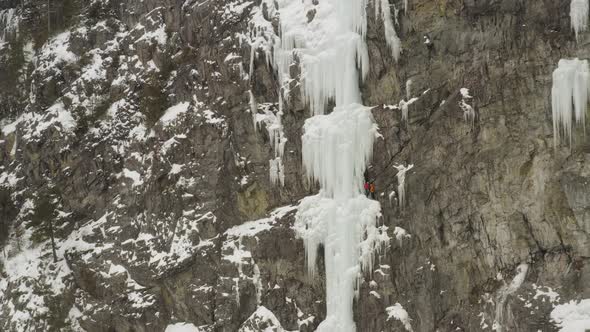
43,219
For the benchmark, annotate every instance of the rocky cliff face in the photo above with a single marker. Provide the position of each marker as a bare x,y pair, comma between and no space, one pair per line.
134,179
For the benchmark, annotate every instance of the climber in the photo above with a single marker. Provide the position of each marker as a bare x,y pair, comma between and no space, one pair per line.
367,187
372,189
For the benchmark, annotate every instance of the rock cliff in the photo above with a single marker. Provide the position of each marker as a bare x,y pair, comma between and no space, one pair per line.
141,188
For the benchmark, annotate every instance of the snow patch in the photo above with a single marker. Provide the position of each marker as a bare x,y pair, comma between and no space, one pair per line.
400,233
182,327
573,316
173,112
398,312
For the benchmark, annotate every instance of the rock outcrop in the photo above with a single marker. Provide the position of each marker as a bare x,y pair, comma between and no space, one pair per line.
134,179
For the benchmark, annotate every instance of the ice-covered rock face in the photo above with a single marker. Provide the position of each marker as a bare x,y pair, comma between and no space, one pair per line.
160,144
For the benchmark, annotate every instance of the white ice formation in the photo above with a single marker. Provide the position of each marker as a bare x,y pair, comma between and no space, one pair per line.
573,316
579,16
468,111
331,52
569,97
326,40
401,182
336,148
382,7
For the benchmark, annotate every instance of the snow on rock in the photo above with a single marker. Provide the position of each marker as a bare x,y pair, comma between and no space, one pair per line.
34,124
56,114
549,294
173,113
579,16
157,36
251,228
235,252
74,316
569,97
30,270
176,169
336,148
56,53
8,180
398,312
573,316
262,320
400,233
182,327
184,241
134,176
401,182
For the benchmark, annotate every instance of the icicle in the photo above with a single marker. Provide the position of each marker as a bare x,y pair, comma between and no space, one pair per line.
579,16
277,137
468,111
404,106
405,109
401,182
409,89
257,281
390,35
569,97
277,171
253,108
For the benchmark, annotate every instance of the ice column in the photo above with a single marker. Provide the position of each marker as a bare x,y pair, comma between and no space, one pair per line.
401,182
336,148
327,41
569,97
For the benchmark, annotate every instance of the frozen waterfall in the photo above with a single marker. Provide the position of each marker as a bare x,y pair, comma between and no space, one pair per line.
336,148
569,97
330,48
